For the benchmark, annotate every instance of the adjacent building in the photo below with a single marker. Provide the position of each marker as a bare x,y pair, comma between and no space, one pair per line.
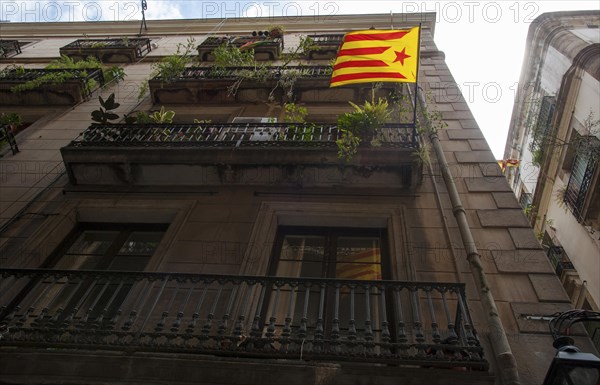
554,134
233,244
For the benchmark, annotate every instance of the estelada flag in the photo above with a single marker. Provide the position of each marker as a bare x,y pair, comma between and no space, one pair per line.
362,264
377,56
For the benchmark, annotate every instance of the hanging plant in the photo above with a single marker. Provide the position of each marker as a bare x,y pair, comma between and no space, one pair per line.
362,125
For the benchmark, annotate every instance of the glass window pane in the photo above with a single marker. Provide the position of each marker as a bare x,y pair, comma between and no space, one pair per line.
93,242
78,262
366,271
129,263
358,258
141,243
300,269
302,248
358,249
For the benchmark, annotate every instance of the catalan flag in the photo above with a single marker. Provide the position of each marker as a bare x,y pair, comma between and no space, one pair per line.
508,163
377,56
361,264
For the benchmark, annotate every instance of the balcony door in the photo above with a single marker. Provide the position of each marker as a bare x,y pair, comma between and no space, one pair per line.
330,253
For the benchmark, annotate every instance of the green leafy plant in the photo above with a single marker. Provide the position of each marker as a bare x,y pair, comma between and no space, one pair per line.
162,116
114,73
362,124
104,114
228,55
276,30
11,119
72,69
11,68
98,44
170,67
293,113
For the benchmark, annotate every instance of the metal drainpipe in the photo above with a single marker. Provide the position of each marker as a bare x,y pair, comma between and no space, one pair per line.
505,359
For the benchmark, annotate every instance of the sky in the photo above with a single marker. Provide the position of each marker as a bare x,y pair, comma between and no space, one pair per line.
484,41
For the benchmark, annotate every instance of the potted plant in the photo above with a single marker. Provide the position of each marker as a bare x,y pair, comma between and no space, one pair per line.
362,125
276,31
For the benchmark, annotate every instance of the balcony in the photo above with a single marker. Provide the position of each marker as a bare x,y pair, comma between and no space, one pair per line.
76,88
208,85
123,50
422,324
328,46
9,48
217,154
265,47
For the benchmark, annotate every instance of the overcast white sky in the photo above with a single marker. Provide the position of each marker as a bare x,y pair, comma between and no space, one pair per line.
484,41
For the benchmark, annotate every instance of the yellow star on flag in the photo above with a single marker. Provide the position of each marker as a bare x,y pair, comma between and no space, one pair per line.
377,56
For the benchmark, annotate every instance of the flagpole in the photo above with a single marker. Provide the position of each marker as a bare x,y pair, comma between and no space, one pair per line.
416,85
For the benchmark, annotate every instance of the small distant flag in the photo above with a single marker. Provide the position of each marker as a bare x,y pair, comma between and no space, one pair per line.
377,56
508,163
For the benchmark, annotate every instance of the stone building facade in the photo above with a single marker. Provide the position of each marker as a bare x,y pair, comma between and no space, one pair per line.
555,133
239,248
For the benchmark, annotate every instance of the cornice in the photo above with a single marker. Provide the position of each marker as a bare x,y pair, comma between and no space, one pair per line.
204,26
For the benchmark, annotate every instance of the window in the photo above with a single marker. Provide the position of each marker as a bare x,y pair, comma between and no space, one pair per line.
109,247
544,122
329,253
340,253
116,247
579,192
525,199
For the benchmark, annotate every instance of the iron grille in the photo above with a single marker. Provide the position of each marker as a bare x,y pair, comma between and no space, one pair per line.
233,135
273,72
582,172
332,39
9,47
415,323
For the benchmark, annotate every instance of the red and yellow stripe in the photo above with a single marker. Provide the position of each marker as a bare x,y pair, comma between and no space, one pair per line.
377,56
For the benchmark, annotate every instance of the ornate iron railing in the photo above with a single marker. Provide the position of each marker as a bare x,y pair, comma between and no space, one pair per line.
6,135
234,135
580,182
9,47
271,72
261,44
416,323
563,265
331,39
141,45
238,41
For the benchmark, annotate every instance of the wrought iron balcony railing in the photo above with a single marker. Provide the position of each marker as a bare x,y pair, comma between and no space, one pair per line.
9,48
273,72
327,39
233,135
238,41
264,46
415,323
580,186
328,46
141,46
